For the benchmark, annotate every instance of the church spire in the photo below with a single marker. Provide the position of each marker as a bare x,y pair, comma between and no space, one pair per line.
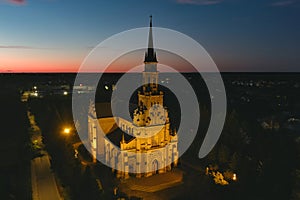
150,55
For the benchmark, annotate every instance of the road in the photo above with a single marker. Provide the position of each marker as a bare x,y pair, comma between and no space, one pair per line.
43,182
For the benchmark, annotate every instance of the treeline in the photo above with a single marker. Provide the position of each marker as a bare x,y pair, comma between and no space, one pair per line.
264,161
14,146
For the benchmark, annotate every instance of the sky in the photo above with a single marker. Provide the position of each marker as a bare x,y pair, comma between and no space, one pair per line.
240,35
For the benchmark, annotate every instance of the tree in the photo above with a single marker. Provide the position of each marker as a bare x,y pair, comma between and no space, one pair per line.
234,160
223,155
296,188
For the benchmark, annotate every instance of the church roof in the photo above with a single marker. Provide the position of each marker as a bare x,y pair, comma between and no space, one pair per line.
103,110
116,136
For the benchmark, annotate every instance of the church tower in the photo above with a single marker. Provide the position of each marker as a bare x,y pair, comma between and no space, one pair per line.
150,111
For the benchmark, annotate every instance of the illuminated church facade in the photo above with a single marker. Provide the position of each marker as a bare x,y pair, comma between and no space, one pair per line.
144,146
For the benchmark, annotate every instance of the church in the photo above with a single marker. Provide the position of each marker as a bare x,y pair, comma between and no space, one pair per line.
143,146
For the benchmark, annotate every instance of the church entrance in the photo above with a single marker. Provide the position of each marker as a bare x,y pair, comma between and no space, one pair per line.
155,166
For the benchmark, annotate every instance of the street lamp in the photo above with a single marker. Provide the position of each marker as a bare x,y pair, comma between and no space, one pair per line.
67,131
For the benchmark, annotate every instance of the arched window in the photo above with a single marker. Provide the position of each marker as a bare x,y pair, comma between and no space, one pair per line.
155,166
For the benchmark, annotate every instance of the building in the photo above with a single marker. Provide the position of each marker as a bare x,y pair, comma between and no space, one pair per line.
145,146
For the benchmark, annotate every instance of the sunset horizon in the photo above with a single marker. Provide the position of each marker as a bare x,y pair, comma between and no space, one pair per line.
49,36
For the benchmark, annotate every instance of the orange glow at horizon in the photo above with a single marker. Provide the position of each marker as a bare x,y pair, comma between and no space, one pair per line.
35,61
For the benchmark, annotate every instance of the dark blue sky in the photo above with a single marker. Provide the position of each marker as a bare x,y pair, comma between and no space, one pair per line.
56,35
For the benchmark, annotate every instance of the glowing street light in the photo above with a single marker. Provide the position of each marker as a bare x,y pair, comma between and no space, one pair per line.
65,93
67,131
